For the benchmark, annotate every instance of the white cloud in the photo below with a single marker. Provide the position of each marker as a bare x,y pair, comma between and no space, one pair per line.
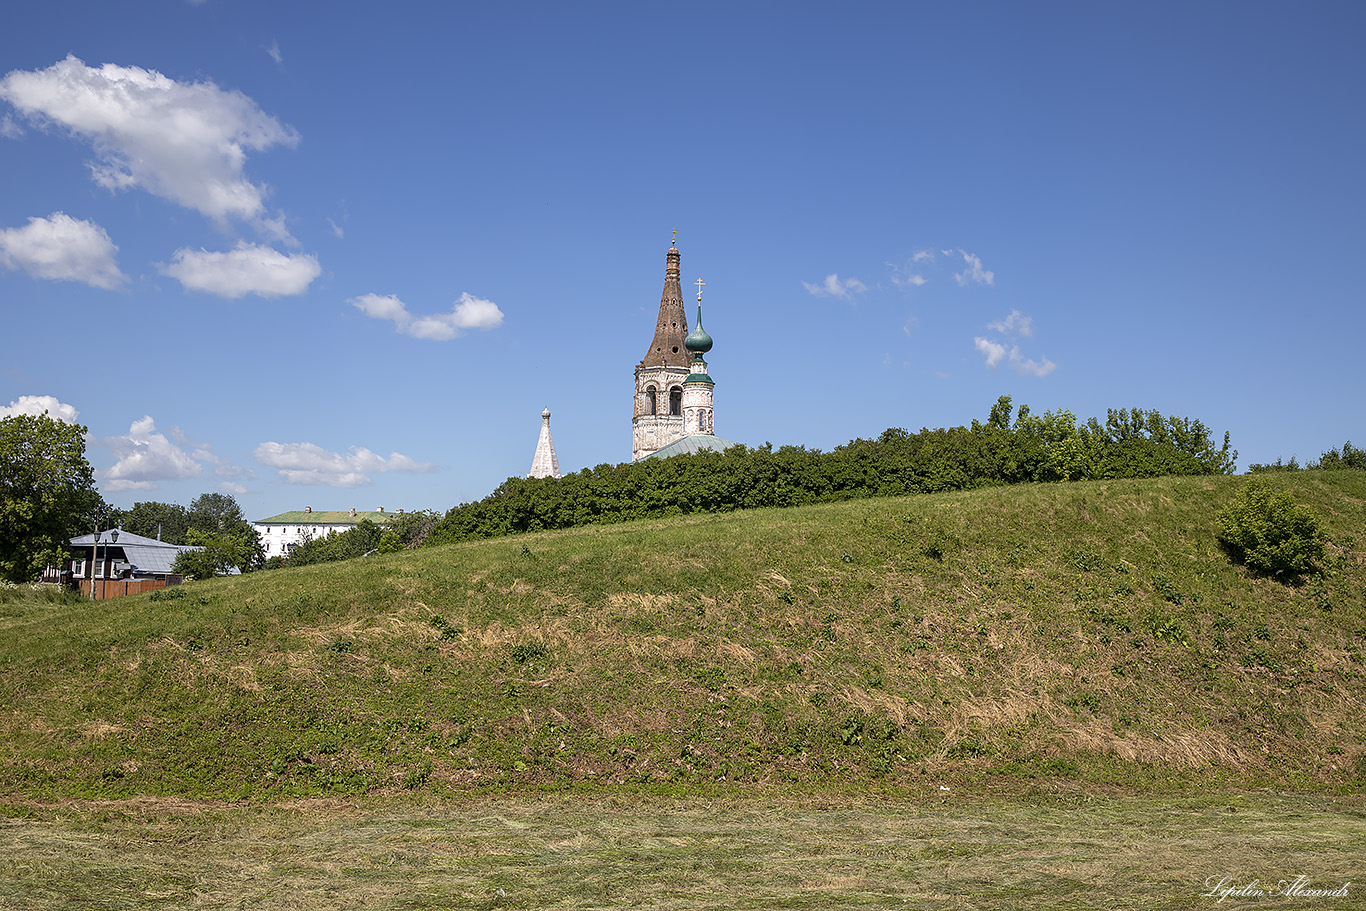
37,405
1030,368
246,269
994,352
923,256
9,129
336,229
833,287
1014,324
306,463
974,272
230,488
274,52
902,277
182,141
62,248
144,458
469,312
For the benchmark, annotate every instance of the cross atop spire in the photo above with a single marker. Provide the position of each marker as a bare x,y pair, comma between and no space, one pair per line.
699,283
673,240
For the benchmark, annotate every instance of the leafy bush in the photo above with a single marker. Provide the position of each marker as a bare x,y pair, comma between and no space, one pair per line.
361,539
1266,530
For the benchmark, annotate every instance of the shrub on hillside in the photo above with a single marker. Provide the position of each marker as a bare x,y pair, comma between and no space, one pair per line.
1266,530
1350,457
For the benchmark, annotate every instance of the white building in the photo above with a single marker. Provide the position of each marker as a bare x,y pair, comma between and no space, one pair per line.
281,534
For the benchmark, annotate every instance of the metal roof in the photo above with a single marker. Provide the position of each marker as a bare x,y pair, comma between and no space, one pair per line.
145,555
693,442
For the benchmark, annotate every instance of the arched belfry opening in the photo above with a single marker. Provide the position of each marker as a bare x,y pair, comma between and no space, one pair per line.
675,401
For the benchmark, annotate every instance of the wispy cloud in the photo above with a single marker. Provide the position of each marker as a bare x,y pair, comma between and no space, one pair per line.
833,287
469,312
246,269
62,248
183,141
227,472
903,276
1014,324
1030,368
306,463
974,273
38,405
273,49
993,351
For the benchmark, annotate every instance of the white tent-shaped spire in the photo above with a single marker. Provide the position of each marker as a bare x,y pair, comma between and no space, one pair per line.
545,464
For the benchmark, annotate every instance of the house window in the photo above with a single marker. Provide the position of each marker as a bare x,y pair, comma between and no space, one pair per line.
650,400
675,401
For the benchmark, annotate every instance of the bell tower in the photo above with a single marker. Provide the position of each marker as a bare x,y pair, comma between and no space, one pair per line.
697,388
658,414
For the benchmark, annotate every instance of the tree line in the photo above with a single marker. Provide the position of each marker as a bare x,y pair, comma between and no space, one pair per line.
47,492
1009,448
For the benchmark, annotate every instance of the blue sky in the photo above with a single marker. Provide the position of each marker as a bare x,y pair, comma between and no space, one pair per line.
340,254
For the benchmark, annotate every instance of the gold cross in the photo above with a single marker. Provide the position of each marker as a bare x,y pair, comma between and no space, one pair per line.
674,239
699,283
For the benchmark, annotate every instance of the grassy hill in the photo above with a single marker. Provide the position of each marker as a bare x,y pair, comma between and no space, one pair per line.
1090,631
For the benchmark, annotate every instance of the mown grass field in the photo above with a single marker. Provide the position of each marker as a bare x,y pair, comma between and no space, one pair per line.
1074,663
1065,851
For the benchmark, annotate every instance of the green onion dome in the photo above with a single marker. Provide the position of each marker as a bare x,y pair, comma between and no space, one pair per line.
698,341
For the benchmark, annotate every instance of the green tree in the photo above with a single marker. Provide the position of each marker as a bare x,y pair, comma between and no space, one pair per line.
47,493
215,554
219,514
216,512
1350,458
169,521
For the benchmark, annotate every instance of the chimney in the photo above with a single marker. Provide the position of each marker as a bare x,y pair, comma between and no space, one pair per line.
308,509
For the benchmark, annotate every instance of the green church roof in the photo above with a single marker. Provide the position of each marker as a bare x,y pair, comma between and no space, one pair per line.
317,517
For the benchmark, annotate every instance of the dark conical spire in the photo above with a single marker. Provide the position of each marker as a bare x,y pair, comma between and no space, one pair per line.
666,349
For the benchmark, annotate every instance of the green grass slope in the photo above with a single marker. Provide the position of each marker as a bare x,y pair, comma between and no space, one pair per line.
1091,631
